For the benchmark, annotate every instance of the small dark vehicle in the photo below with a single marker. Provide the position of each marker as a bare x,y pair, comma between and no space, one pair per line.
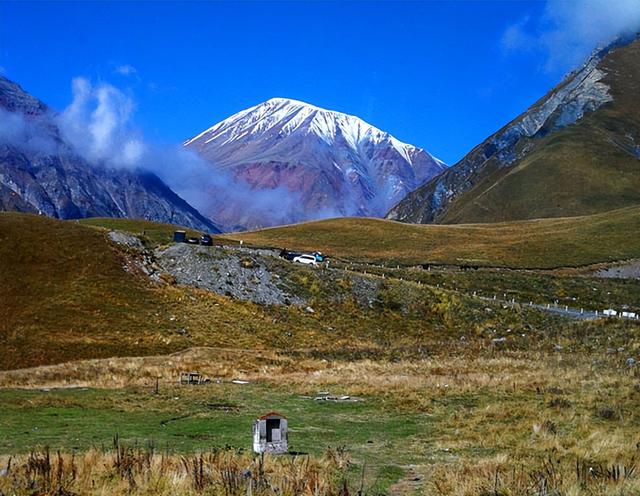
206,240
193,241
289,255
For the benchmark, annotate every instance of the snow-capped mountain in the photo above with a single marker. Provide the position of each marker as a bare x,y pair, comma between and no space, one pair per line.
289,161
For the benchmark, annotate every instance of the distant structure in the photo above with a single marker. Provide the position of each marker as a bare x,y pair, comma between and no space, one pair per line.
191,378
270,434
179,236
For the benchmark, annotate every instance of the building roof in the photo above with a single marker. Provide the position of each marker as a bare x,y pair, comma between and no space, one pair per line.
271,414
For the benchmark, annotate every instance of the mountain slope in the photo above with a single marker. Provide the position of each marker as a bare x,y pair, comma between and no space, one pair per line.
40,172
321,163
542,243
576,151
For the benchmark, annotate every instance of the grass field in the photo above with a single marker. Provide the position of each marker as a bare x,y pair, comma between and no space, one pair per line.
451,421
458,395
188,419
151,233
545,243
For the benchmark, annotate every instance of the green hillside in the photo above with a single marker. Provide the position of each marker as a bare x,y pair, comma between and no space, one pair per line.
582,169
68,293
65,295
545,243
587,167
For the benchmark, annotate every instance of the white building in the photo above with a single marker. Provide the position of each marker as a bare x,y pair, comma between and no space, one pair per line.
270,434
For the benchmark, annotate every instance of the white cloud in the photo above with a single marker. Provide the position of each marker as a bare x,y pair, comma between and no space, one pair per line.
568,31
133,151
516,37
29,133
98,123
126,70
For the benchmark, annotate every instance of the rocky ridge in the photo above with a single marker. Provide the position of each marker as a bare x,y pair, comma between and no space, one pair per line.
581,93
41,173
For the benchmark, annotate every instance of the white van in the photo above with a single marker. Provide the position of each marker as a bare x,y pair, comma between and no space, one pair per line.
306,259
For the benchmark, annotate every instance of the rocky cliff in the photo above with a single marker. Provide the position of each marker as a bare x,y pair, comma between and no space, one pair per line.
41,173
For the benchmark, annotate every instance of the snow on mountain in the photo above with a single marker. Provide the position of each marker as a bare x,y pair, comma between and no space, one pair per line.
291,161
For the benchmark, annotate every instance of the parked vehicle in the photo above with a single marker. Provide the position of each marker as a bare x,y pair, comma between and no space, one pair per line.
206,240
319,256
193,241
289,255
306,259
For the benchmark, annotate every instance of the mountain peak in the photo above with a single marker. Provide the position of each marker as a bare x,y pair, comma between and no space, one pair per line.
14,99
288,101
289,116
334,164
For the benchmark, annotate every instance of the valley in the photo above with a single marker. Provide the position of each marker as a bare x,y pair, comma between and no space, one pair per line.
242,294
445,389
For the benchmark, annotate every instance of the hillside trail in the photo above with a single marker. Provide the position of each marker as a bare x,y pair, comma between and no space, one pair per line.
413,482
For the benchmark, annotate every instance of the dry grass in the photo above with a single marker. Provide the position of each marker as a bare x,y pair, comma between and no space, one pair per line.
544,243
120,372
552,476
136,470
560,422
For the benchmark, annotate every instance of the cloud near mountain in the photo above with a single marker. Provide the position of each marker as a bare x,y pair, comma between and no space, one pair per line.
568,31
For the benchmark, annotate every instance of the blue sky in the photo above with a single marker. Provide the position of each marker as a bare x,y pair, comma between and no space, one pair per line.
440,75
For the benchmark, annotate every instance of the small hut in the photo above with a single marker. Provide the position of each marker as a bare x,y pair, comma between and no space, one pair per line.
190,378
270,434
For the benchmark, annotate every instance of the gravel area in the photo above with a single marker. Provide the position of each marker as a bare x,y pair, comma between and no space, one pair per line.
629,270
231,273
126,239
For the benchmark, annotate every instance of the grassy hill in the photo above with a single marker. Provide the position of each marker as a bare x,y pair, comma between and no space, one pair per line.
151,233
582,169
68,293
588,167
65,295
544,243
